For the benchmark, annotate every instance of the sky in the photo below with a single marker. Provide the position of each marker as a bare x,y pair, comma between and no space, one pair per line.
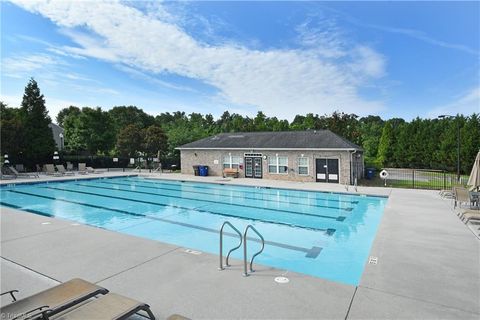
392,59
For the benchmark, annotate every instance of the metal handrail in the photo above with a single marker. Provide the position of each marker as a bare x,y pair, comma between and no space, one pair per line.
245,273
221,244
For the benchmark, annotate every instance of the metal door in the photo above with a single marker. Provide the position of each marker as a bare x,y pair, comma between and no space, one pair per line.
248,167
332,169
321,170
253,167
326,170
257,168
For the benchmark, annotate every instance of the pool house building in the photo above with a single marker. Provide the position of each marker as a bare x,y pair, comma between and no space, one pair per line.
313,155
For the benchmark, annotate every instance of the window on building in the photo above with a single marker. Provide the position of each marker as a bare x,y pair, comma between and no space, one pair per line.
231,162
278,164
303,166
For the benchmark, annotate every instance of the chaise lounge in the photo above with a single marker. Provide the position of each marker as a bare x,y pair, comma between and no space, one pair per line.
51,301
50,170
23,174
62,170
75,299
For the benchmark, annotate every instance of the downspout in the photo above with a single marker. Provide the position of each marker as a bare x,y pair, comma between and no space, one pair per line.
352,179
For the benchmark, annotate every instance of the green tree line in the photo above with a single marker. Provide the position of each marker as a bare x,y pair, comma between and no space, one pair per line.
128,131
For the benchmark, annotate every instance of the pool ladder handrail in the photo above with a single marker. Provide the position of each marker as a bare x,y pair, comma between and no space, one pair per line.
221,244
245,273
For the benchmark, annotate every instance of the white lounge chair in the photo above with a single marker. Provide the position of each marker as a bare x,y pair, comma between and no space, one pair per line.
23,174
50,170
62,170
96,171
82,169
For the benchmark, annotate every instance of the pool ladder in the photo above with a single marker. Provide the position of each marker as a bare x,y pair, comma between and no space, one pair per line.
242,240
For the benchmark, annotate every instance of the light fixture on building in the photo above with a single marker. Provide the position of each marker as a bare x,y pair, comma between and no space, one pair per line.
60,135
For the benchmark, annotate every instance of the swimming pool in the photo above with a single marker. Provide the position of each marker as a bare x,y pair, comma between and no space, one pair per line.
322,234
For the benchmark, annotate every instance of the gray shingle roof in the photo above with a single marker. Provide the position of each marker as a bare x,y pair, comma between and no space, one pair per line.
312,139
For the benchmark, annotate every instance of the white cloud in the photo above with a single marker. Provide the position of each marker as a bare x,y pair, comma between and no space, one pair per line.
136,74
279,82
24,66
465,104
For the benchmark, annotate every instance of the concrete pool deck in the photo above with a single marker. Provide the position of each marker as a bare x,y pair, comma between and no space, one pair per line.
427,266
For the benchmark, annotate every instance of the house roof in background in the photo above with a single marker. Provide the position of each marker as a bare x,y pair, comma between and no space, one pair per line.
311,139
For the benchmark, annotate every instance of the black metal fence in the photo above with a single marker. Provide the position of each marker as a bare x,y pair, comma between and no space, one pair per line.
415,179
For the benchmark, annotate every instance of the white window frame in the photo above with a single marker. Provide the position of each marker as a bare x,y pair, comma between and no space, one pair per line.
277,165
230,162
303,166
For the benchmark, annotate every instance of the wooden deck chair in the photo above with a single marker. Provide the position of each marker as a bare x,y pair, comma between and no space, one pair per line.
62,170
109,306
51,301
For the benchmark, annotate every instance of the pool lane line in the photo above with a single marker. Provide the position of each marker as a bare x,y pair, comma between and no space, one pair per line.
339,218
311,253
329,231
229,196
150,180
244,191
14,206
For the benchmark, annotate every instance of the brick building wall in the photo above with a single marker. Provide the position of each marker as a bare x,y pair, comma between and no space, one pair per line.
214,160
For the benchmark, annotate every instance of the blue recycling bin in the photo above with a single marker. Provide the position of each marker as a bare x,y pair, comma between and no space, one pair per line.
370,174
203,171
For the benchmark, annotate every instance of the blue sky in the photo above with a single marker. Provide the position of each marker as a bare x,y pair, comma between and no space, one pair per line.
393,59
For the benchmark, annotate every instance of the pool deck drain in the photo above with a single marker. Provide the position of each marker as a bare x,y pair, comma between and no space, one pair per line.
427,267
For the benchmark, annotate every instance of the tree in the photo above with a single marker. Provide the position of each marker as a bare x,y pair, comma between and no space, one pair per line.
11,131
155,140
122,116
38,144
129,141
260,122
97,131
65,112
74,139
371,129
385,145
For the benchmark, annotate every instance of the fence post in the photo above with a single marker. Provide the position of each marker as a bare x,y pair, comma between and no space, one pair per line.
413,178
444,180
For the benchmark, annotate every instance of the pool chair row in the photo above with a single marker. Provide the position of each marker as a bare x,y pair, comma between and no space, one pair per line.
75,299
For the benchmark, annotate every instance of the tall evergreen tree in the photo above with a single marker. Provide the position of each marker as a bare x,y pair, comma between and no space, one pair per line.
385,145
38,144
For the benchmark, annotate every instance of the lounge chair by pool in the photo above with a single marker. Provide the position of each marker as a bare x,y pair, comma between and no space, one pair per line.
62,170
92,170
82,169
461,196
468,215
51,301
74,300
23,174
50,170
109,306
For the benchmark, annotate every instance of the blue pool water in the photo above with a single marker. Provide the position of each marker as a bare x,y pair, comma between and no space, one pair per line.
322,234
